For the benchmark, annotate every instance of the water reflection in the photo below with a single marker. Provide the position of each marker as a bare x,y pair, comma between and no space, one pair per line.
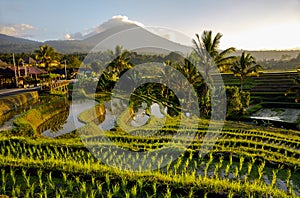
71,122
107,120
6,120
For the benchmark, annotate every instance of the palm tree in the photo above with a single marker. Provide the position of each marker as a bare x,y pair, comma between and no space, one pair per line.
46,54
120,64
245,65
190,72
208,55
209,46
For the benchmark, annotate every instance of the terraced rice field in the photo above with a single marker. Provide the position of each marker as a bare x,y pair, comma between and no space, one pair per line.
242,163
268,88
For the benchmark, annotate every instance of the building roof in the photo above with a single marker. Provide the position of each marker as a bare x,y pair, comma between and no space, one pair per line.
28,61
35,70
30,70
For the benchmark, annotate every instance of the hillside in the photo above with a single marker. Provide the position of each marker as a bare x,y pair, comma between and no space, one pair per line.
69,46
10,44
135,36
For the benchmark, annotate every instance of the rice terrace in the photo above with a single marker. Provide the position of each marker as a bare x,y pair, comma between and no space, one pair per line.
125,110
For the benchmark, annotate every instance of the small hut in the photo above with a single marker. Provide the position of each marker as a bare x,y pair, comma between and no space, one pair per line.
25,63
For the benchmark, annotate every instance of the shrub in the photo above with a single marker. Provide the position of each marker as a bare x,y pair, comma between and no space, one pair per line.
237,102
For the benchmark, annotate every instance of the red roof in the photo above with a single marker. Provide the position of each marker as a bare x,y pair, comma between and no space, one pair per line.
30,70
35,70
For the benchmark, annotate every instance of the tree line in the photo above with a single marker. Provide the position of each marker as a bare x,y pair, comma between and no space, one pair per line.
206,54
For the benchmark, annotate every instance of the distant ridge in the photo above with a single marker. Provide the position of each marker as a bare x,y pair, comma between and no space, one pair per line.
94,39
132,32
134,35
10,44
269,54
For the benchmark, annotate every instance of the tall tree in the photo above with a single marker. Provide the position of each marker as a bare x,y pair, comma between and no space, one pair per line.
208,56
120,64
46,55
245,65
208,45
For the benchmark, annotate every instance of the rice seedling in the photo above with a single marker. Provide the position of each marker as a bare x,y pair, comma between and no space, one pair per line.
3,180
50,181
133,191
26,178
168,193
274,178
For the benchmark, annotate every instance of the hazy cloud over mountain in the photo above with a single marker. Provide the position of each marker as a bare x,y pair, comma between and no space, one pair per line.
18,30
113,22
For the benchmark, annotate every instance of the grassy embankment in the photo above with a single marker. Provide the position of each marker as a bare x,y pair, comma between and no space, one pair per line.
28,123
14,102
9,103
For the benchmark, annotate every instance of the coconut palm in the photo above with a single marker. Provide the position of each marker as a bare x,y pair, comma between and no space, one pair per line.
208,47
190,72
208,58
120,64
245,65
46,55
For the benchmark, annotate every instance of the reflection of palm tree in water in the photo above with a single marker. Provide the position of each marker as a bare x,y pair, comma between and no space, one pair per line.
115,107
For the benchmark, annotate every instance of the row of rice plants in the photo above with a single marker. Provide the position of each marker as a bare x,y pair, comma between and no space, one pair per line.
233,167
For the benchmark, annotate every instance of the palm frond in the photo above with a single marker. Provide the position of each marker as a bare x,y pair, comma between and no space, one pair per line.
227,51
216,41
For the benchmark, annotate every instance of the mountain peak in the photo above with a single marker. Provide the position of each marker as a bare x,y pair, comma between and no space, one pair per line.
115,21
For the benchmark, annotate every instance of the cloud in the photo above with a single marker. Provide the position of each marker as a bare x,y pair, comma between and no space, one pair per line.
113,22
17,30
122,19
76,36
171,34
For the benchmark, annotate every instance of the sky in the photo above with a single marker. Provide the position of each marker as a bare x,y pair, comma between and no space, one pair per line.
250,25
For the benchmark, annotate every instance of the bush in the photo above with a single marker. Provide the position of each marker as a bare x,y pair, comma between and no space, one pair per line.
237,102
